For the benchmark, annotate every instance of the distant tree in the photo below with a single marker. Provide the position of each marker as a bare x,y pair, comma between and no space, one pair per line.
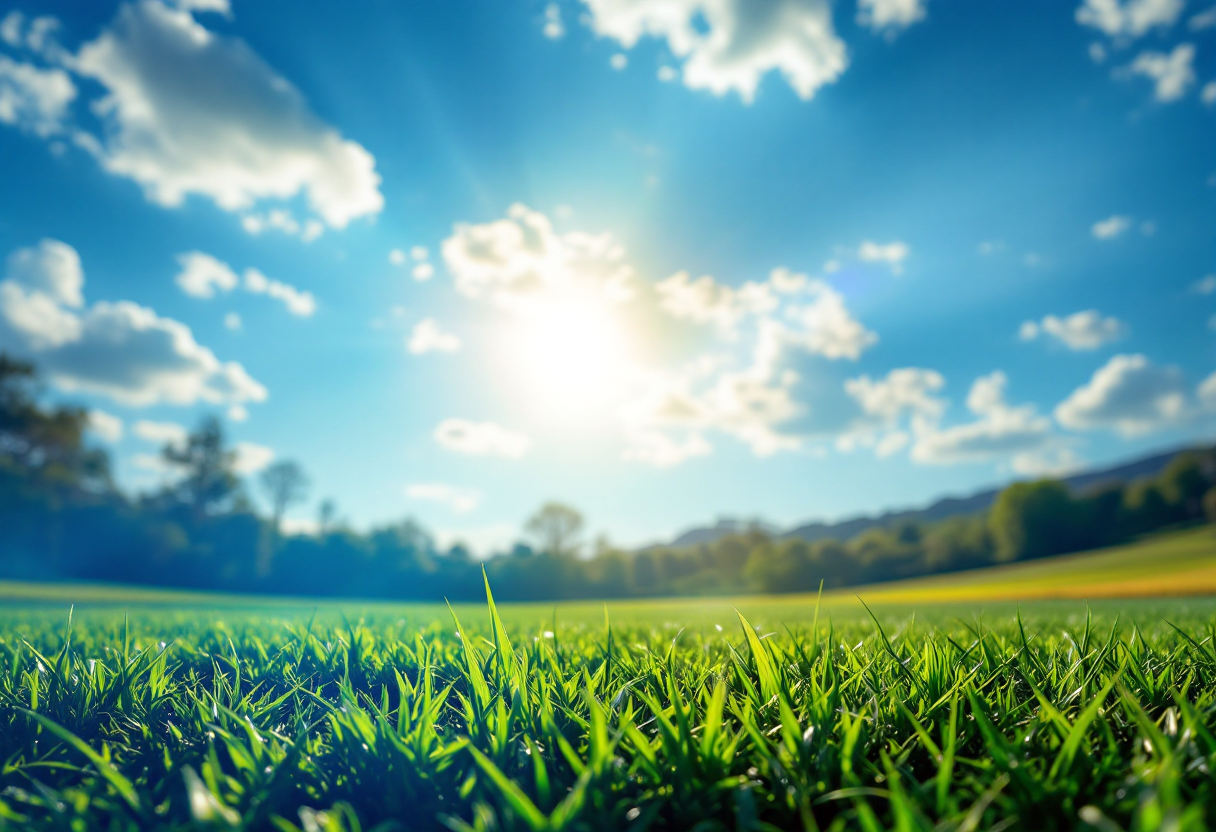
1036,519
285,485
327,516
47,444
208,482
556,528
1183,483
1209,505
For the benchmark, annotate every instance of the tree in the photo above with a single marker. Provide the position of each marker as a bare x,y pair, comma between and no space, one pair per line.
209,482
556,528
43,443
286,485
327,516
1036,519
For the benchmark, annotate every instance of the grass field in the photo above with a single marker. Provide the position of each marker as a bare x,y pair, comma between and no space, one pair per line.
949,709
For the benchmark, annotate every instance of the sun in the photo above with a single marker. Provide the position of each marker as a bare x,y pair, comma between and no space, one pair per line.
571,354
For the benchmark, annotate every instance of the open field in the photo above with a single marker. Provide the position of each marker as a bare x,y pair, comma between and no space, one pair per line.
950,709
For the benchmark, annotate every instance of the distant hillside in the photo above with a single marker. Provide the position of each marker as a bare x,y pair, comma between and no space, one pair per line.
946,507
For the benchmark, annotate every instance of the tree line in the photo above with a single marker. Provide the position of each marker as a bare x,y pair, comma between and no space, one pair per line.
62,518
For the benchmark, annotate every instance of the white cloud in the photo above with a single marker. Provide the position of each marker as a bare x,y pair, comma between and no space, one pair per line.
419,253
666,74
481,439
553,28
1111,227
705,301
299,303
1203,20
1207,392
251,458
1000,431
513,260
1172,74
825,326
618,61
51,268
106,426
890,15
729,45
1129,395
1208,95
232,321
185,111
160,433
1132,18
423,271
118,349
428,336
1086,330
397,257
656,448
893,254
33,99
459,500
283,220
1205,285
908,390
1097,53
202,275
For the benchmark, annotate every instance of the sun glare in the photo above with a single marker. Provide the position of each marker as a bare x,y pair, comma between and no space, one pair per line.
570,355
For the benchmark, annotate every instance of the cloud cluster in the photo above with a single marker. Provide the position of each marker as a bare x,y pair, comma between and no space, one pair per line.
893,254
118,349
1086,330
1172,73
481,439
429,336
1130,18
520,257
890,15
730,45
186,111
204,276
1129,395
459,500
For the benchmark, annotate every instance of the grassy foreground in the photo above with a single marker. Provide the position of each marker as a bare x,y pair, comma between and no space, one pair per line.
230,720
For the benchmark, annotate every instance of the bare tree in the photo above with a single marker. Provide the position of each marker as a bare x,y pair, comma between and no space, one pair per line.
556,528
285,484
327,516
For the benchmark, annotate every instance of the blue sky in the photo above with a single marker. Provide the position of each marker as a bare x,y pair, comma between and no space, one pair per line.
664,260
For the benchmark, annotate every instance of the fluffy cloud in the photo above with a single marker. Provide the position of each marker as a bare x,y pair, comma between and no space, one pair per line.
893,254
729,45
705,301
1172,74
1002,430
825,327
118,349
251,457
890,15
908,390
299,303
186,111
459,500
428,336
105,426
160,433
283,220
1208,95
481,439
513,260
1132,18
1207,392
1130,395
1085,330
33,99
1111,227
1205,285
202,276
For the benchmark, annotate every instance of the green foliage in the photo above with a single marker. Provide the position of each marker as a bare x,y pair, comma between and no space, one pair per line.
1034,520
184,721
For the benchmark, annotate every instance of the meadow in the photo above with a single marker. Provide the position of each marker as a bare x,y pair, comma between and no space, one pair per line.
940,705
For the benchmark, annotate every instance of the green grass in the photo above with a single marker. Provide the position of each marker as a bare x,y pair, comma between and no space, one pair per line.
948,718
